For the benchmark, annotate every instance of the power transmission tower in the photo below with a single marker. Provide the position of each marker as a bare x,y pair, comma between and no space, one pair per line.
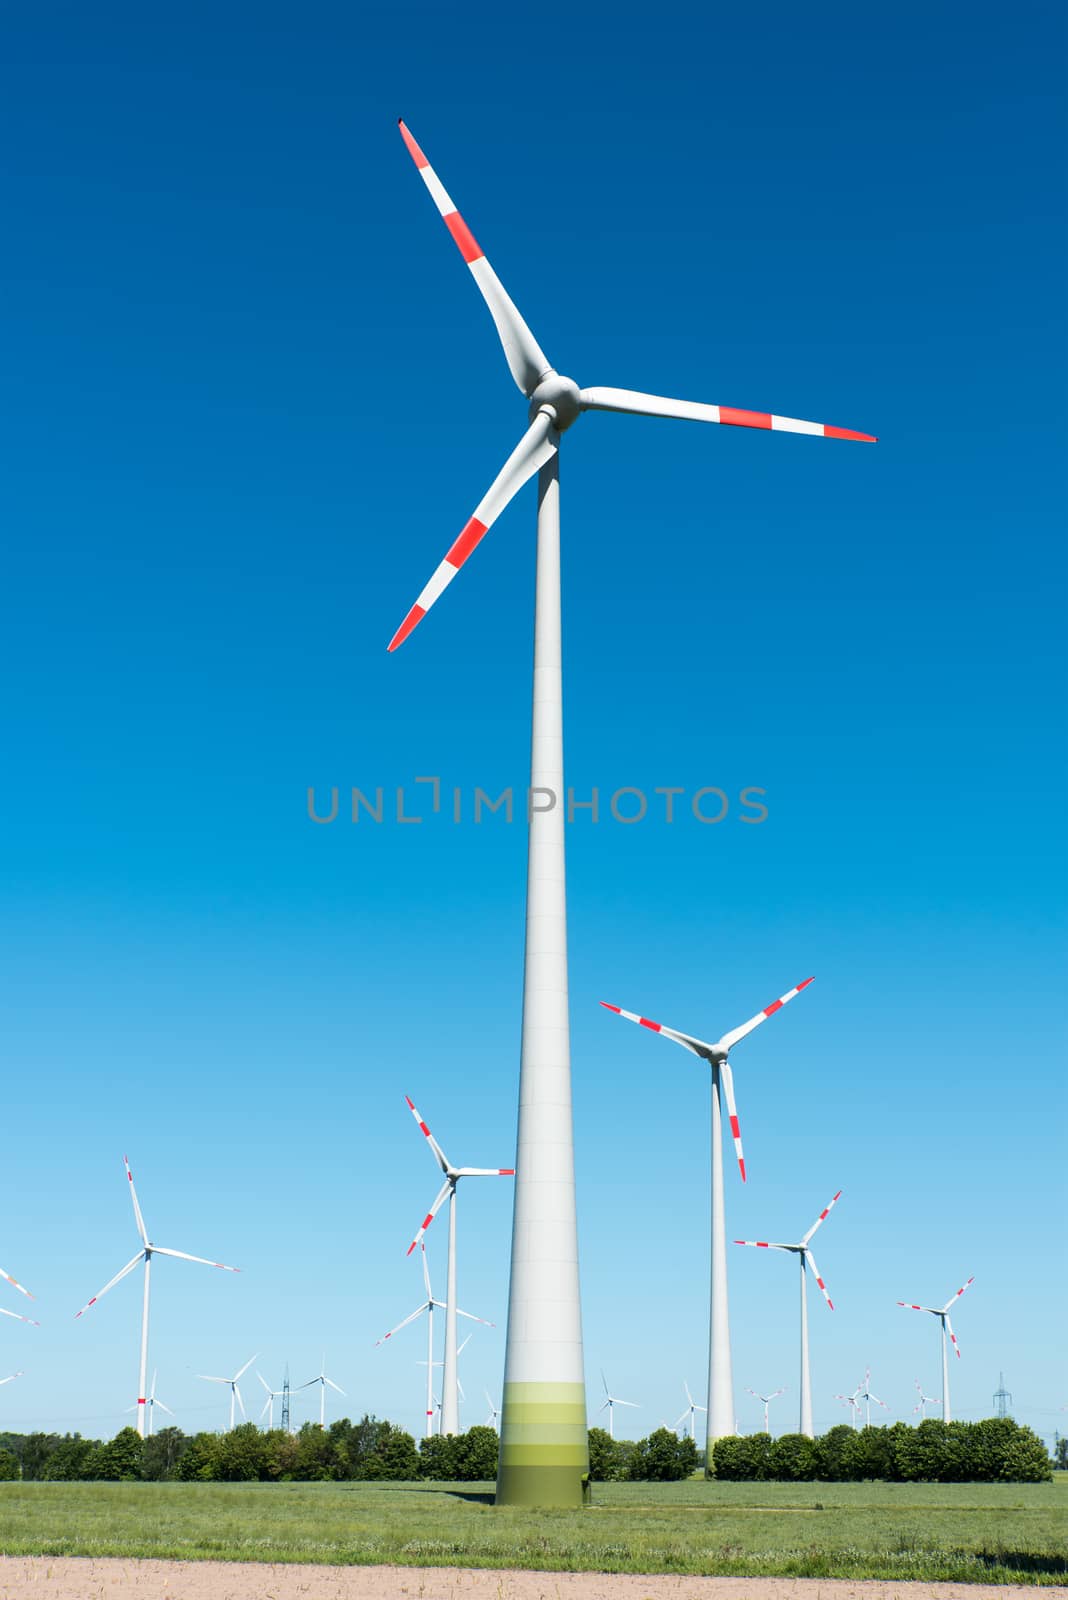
1002,1398
285,1401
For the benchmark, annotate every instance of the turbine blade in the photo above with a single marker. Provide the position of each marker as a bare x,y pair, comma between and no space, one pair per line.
697,1047
526,360
485,1172
240,1402
729,1040
537,446
11,1377
727,1079
397,1329
819,1280
31,1320
762,1244
439,1154
953,1337
245,1368
140,1256
472,1318
910,1305
15,1284
654,405
426,1276
822,1217
163,1407
431,1214
263,1380
183,1255
333,1385
955,1297
137,1209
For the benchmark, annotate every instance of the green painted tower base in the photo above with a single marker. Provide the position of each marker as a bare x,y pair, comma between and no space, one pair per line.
544,1455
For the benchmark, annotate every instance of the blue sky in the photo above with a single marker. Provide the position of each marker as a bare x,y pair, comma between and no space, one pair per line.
250,397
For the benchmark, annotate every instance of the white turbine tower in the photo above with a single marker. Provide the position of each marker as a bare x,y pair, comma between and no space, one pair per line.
925,1401
804,1254
945,1326
543,1434
153,1402
450,1404
691,1409
145,1254
235,1392
15,1284
322,1380
609,1404
429,1305
721,1415
864,1392
268,1404
765,1400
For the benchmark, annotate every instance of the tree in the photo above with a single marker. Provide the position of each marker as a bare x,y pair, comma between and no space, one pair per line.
836,1455
197,1464
438,1457
476,1454
1060,1453
162,1453
663,1457
279,1456
394,1456
240,1455
793,1458
314,1456
9,1466
604,1458
70,1459
741,1458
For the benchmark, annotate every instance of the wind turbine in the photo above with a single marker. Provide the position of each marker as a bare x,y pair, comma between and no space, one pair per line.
322,1380
864,1391
493,1413
434,1365
942,1313
235,1392
153,1402
543,1434
804,1254
268,1404
853,1403
610,1402
765,1400
721,1415
925,1401
450,1405
691,1408
429,1305
145,1254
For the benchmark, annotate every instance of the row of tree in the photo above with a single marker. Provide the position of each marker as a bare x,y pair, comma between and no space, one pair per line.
998,1450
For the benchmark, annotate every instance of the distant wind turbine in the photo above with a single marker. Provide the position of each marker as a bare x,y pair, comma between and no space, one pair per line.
691,1408
864,1390
853,1403
235,1392
493,1413
322,1380
153,1402
765,1400
945,1326
268,1404
925,1401
610,1402
429,1305
145,1254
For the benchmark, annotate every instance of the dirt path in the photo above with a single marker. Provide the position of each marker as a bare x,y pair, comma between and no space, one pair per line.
65,1578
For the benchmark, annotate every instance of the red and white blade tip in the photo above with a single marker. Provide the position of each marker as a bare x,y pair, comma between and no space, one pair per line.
777,1005
632,1016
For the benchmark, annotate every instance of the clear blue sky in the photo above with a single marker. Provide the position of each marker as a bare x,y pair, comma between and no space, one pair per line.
250,396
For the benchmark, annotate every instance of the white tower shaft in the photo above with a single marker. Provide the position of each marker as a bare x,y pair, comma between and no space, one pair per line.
945,1369
450,1397
543,1454
142,1395
720,1381
806,1376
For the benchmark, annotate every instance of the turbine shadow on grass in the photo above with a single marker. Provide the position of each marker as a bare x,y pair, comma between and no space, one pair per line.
1024,1561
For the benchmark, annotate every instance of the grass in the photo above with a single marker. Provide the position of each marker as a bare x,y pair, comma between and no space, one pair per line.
990,1533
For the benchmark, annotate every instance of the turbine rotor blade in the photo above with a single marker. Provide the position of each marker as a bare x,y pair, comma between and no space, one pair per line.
439,1154
953,1337
485,1172
183,1255
727,1079
140,1256
431,1214
819,1280
822,1217
137,1209
635,403
527,362
696,1047
336,1386
31,1320
472,1318
729,1040
537,446
397,1329
15,1284
954,1298
426,1276
245,1368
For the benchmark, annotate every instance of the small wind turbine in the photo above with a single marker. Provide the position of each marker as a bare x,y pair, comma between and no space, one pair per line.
145,1254
450,1406
543,1360
428,1306
153,1402
493,1413
235,1392
610,1402
865,1392
322,1380
765,1400
942,1313
268,1404
804,1255
925,1401
691,1408
15,1284
853,1403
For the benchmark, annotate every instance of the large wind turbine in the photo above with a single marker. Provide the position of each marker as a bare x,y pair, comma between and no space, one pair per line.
721,1415
543,1432
450,1404
804,1254
429,1305
235,1392
942,1313
145,1254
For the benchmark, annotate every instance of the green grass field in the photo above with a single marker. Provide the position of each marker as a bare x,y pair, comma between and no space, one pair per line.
993,1533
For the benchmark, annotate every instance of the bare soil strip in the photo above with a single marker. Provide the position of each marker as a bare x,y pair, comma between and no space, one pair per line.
71,1578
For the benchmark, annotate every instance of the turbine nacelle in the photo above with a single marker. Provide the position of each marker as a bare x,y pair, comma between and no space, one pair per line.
560,396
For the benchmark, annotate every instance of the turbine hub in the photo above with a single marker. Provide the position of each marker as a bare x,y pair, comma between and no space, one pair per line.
561,394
